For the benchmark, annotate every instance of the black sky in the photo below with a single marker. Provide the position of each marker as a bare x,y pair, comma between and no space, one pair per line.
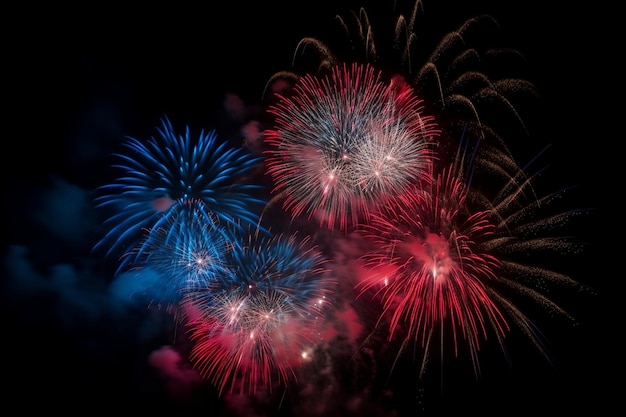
81,78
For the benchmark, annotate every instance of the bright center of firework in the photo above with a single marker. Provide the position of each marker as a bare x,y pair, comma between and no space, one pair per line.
438,256
201,259
432,254
438,270
198,263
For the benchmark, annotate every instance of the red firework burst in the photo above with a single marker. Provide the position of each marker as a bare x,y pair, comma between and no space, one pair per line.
428,269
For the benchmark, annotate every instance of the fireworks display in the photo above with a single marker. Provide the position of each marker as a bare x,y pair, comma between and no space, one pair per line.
375,233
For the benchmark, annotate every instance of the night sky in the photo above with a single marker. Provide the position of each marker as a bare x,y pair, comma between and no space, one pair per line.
84,78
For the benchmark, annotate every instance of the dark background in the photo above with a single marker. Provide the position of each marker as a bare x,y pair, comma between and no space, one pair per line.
81,78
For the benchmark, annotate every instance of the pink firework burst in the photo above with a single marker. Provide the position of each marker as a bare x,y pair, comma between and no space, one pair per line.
452,263
428,269
345,142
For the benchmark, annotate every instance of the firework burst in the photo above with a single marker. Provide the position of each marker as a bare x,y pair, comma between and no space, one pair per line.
449,263
171,174
427,269
251,333
346,142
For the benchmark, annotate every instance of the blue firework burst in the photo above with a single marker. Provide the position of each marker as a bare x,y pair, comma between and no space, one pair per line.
169,175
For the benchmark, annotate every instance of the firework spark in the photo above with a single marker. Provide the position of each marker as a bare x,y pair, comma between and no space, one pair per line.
345,143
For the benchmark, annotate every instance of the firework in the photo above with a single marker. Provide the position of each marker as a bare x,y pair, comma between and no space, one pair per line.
346,142
170,174
251,333
433,273
447,263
